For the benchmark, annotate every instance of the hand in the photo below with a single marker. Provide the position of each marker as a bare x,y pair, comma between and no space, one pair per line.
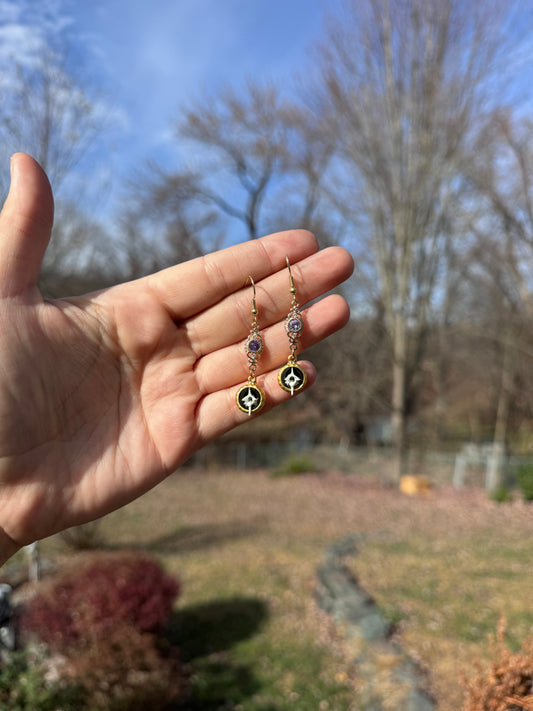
104,395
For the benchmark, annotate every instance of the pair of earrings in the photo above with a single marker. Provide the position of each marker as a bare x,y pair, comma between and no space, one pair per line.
250,397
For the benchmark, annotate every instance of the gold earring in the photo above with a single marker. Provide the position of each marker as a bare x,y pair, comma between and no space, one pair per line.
250,398
292,377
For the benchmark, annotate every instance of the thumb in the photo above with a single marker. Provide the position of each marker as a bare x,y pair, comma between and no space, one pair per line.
25,226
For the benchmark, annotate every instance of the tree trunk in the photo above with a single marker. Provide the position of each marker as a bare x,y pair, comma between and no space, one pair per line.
495,464
399,372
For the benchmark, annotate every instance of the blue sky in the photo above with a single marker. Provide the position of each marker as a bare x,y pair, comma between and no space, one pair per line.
157,54
146,58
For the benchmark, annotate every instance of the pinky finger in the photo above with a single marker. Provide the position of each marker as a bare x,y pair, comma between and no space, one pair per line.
218,412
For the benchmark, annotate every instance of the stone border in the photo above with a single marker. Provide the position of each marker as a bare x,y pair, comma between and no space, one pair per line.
387,678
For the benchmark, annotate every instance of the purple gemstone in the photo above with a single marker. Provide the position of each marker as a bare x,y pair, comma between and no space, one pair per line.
254,346
295,325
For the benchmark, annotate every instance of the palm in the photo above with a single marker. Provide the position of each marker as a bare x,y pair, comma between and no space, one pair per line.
109,413
102,396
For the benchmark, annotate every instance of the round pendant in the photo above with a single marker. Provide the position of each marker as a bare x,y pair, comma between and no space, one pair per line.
292,378
250,398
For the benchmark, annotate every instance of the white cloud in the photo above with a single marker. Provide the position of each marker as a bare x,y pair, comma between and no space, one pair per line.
28,27
20,42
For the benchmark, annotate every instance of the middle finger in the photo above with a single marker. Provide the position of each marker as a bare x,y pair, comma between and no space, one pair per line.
230,320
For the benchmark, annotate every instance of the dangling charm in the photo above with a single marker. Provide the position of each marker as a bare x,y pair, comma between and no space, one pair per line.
292,377
250,398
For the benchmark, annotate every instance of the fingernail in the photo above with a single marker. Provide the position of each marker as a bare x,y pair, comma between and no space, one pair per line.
13,168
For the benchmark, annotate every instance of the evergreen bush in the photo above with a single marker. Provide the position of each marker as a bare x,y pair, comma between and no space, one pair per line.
524,475
24,686
295,464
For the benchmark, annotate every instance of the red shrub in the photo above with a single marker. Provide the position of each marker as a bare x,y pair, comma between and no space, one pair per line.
109,592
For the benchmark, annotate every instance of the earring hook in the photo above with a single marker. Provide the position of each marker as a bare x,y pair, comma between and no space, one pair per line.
254,308
293,288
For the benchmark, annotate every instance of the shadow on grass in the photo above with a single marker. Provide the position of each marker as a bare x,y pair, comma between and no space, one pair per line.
193,538
205,635
201,630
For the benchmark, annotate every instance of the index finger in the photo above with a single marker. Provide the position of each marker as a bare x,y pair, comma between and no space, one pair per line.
191,287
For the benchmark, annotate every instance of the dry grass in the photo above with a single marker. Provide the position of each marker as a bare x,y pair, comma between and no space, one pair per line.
444,567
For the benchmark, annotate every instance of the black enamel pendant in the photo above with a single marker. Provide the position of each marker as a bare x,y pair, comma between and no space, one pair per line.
292,378
250,398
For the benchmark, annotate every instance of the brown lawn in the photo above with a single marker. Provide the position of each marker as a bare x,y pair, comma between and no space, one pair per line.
444,567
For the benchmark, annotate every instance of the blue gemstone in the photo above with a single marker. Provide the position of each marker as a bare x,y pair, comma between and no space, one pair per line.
254,346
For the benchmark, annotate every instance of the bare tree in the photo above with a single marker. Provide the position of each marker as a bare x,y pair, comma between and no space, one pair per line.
405,83
253,157
240,145
302,195
501,173
48,114
165,204
81,256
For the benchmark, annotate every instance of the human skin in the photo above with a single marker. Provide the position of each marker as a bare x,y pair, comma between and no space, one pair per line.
104,395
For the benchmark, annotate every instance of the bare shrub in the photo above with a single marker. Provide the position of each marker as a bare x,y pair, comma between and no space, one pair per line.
507,684
127,670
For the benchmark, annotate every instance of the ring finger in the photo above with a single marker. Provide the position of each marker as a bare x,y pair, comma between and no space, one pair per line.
227,366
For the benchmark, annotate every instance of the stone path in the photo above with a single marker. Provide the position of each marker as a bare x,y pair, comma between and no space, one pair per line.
388,679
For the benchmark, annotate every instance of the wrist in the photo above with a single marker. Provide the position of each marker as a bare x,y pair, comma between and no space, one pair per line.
8,547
